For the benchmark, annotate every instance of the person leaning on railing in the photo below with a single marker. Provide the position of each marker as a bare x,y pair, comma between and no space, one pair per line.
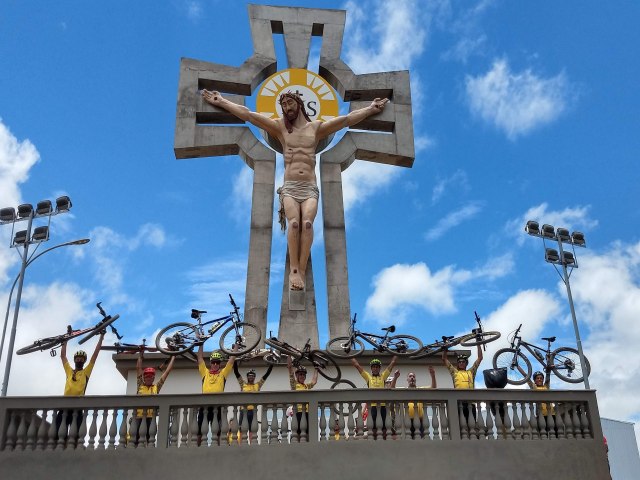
416,411
214,380
146,386
541,383
462,378
77,378
297,383
249,385
375,379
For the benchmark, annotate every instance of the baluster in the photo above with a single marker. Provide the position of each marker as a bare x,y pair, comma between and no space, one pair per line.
351,423
482,429
551,424
284,425
517,425
388,425
566,419
12,430
304,425
174,427
72,438
240,429
263,438
153,428
464,429
295,424
584,422
224,425
444,421
184,426
507,422
430,422
31,431
524,422
123,431
93,430
542,424
560,421
335,428
42,431
233,424
113,430
341,422
533,422
323,422
359,431
62,428
142,429
371,424
82,430
489,425
499,423
21,434
273,428
134,432
254,425
195,434
245,425
102,431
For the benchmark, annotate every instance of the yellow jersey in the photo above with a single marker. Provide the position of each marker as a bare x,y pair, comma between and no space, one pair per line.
76,383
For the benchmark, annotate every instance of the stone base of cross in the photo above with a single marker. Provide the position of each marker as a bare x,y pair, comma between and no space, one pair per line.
389,140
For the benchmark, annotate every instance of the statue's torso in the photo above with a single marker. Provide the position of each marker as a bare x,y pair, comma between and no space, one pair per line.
299,151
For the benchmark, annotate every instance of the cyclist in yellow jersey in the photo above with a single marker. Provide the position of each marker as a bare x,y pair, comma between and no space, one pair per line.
297,382
540,384
375,379
145,378
77,378
214,380
462,378
249,386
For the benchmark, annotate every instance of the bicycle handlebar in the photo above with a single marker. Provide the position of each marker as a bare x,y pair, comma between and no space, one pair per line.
102,312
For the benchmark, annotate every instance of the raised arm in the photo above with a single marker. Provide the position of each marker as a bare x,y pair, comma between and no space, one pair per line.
352,118
237,372
432,373
396,375
314,379
96,351
290,366
139,364
445,360
164,376
243,113
355,363
267,373
63,353
394,359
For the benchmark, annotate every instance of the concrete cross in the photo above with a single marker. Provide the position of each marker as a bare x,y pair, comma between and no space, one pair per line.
196,135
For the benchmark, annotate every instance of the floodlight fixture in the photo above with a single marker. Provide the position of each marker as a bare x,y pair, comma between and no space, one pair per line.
7,215
577,238
568,259
20,238
532,228
548,231
25,210
563,235
63,204
44,208
40,234
551,255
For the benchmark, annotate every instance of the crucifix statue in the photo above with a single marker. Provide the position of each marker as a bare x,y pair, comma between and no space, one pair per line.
299,138
380,105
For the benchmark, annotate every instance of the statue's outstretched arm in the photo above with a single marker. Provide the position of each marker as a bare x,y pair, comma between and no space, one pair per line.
351,119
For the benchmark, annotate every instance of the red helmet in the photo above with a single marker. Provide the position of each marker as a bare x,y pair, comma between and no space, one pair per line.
149,371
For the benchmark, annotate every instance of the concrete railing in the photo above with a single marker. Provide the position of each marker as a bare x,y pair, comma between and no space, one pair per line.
178,421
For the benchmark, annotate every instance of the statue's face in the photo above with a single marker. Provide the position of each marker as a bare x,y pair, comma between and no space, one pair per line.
290,108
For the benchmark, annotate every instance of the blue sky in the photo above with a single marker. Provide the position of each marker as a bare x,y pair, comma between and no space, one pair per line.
522,110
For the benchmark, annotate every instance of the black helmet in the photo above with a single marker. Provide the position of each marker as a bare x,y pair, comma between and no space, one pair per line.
535,374
462,356
301,369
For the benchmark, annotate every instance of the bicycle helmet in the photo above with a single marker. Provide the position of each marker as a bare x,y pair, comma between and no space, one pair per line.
215,356
149,371
535,374
80,353
301,369
375,361
462,357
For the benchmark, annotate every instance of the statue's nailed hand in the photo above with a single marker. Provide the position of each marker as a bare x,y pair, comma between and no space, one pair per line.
379,103
213,97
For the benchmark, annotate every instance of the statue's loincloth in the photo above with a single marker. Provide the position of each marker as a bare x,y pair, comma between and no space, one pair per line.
299,191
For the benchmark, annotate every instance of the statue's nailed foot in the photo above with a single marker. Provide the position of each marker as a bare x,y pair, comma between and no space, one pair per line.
295,281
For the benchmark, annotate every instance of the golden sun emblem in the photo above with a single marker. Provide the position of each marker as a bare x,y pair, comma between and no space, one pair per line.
320,100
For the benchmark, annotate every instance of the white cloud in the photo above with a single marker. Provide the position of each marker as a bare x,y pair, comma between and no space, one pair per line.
465,48
516,103
401,288
193,10
570,217
458,180
363,179
452,220
211,284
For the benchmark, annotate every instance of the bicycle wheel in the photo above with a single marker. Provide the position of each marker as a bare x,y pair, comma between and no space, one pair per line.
282,347
327,366
177,338
245,342
507,358
566,365
275,358
345,347
104,323
42,344
353,406
403,345
479,338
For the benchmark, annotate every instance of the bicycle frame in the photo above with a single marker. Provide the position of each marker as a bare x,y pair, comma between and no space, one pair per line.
218,323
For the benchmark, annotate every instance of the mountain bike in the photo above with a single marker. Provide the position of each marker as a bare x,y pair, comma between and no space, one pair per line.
133,348
563,361
352,345
326,366
477,337
51,343
181,337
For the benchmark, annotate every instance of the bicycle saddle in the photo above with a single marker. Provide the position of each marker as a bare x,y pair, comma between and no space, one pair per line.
390,329
447,339
195,313
549,339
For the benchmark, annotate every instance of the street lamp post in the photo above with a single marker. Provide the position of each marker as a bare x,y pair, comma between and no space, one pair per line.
25,238
564,259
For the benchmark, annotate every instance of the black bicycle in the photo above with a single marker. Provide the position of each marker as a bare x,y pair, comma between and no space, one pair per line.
326,366
563,361
477,337
181,337
352,345
135,348
51,343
